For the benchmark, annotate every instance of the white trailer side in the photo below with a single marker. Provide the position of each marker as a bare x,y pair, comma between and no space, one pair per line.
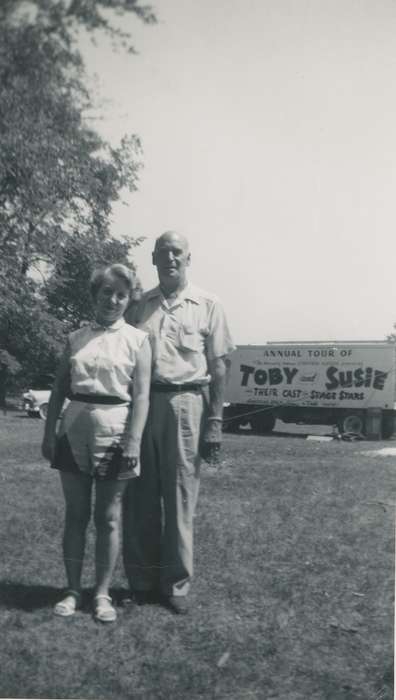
329,383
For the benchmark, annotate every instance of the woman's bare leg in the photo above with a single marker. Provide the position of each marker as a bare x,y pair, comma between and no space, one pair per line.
77,492
107,520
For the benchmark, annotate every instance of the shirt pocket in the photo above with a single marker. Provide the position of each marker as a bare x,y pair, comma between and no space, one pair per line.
190,339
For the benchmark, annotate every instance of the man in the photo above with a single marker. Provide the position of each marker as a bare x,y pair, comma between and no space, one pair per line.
190,340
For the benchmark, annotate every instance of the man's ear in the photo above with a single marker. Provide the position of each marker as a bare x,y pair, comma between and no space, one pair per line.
188,261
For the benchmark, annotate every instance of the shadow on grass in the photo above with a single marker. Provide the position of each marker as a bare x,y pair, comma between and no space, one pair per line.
20,596
21,416
18,414
273,434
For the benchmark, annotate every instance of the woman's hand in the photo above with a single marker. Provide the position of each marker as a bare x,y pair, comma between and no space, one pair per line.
48,448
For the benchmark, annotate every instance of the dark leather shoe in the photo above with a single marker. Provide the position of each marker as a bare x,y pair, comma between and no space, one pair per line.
146,597
177,604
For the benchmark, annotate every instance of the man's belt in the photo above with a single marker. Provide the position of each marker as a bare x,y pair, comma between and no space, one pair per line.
97,398
176,388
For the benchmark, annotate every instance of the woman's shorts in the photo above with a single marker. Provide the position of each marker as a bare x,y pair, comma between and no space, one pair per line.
90,441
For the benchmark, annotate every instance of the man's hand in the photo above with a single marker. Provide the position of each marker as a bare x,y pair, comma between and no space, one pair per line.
131,455
130,463
211,441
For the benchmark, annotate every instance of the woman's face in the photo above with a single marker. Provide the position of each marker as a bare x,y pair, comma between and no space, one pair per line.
111,300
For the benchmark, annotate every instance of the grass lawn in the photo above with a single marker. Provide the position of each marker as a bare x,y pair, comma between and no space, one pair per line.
293,590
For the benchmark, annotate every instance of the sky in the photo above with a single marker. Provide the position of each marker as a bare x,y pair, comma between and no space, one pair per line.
269,139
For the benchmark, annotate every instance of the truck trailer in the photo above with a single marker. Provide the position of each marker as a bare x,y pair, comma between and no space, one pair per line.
351,385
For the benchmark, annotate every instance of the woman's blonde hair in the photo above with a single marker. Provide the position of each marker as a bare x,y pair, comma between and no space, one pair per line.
123,273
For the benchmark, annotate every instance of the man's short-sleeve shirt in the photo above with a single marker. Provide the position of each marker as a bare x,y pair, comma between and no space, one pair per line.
184,333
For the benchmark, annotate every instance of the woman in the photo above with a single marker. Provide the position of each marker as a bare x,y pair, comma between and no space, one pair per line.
100,432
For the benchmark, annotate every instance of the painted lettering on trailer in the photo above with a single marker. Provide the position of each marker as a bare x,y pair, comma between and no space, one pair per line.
367,377
275,375
350,378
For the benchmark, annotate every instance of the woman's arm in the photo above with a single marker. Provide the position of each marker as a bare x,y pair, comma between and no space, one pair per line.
58,395
140,401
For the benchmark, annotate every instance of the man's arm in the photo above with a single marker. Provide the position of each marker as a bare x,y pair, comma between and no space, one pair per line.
218,345
217,386
212,435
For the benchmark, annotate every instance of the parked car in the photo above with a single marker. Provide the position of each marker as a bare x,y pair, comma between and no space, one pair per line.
35,402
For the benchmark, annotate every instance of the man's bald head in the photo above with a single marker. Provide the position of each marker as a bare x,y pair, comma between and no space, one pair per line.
171,257
174,237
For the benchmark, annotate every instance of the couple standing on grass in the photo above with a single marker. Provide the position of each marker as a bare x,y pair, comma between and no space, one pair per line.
144,455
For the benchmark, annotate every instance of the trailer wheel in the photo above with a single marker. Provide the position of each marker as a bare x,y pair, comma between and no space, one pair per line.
351,423
263,423
388,426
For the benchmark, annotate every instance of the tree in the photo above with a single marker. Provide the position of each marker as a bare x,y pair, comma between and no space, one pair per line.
58,178
67,289
56,174
61,17
31,337
9,366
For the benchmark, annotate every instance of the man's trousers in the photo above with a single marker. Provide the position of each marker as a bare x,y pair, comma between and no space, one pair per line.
159,506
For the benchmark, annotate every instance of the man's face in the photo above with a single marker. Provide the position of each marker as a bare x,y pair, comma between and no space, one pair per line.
171,257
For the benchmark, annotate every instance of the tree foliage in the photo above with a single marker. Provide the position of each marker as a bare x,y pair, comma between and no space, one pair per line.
67,289
56,174
31,337
58,178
